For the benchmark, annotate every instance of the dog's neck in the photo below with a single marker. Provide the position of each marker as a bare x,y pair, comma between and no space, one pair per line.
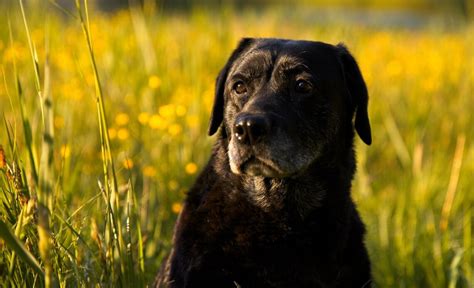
274,195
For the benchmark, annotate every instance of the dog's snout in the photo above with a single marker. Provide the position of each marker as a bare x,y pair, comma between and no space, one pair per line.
250,129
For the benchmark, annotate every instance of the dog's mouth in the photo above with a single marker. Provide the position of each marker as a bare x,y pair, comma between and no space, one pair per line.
256,166
266,161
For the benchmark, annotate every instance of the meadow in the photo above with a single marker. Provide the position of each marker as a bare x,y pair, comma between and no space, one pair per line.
104,120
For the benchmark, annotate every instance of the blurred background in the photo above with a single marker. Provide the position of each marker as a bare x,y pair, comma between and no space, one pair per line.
463,7
105,107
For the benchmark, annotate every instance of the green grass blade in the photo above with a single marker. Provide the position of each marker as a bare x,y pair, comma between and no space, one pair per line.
467,241
34,57
25,122
84,205
141,256
11,131
143,36
15,244
454,268
453,182
62,9
47,146
110,177
45,179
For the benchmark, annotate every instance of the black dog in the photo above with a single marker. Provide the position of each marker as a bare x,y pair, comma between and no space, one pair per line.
273,208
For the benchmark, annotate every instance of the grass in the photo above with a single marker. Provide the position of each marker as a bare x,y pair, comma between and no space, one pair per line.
103,124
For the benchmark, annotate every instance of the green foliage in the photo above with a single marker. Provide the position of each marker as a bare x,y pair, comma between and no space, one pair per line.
104,124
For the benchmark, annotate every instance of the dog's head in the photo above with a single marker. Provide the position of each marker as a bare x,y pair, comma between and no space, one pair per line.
283,103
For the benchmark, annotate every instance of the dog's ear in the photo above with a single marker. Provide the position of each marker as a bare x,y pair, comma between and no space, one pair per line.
357,91
218,109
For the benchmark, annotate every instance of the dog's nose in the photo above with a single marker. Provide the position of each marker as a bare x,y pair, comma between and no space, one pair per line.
250,129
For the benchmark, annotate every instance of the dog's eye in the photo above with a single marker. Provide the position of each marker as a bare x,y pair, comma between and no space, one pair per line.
303,86
239,87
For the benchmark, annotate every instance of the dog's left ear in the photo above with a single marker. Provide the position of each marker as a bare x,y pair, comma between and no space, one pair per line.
358,92
218,109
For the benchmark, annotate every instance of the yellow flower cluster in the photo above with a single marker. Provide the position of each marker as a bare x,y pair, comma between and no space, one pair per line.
167,119
399,59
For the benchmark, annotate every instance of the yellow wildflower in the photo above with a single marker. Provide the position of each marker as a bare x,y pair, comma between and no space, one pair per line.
143,118
128,163
157,122
149,171
14,52
167,111
176,207
3,162
122,119
191,168
154,82
175,129
181,110
65,151
112,133
123,134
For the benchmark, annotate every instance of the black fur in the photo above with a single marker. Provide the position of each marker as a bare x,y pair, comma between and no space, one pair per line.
295,225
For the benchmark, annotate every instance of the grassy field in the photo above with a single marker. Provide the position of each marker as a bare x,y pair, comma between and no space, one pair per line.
103,131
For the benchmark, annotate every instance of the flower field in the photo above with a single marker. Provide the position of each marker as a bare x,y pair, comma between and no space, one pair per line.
104,122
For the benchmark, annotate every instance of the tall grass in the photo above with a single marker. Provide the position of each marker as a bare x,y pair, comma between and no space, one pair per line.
104,122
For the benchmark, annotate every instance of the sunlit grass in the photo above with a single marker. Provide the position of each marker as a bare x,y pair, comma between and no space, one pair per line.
127,120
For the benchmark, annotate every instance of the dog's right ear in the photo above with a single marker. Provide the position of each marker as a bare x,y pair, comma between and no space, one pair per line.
218,108
358,92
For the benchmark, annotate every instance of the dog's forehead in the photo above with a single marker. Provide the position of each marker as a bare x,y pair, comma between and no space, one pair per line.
269,53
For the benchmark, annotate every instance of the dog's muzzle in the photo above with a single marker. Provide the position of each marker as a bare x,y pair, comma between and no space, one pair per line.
251,132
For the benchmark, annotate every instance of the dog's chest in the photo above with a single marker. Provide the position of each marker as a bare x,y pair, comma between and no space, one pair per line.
254,230
244,230
250,242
